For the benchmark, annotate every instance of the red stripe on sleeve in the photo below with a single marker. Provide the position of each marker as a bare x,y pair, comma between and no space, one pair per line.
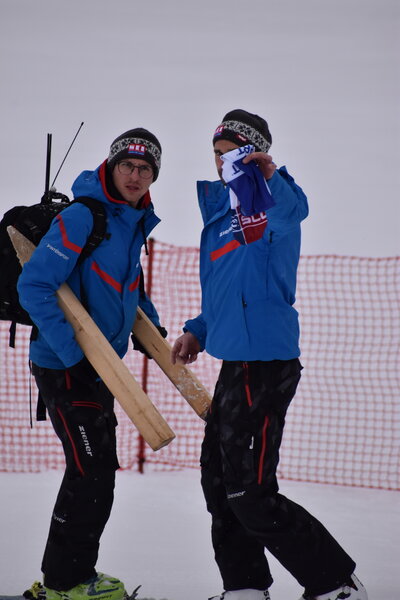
64,236
134,285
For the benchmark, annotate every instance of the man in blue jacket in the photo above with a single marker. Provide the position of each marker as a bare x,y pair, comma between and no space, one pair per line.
80,406
250,248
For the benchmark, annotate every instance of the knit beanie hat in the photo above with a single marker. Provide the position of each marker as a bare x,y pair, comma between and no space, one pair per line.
241,128
136,143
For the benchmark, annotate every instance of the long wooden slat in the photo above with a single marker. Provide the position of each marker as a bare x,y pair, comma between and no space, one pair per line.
112,370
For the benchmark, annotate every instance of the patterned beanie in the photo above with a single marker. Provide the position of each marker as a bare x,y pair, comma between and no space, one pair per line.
241,128
136,143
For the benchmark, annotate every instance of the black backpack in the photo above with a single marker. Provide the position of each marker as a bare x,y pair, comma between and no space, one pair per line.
33,222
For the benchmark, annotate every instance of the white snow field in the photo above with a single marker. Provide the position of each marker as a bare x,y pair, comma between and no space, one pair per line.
158,534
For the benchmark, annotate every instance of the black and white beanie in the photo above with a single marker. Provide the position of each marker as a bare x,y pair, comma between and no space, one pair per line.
136,143
241,128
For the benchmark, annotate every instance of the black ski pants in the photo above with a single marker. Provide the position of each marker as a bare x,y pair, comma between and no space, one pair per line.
82,414
239,459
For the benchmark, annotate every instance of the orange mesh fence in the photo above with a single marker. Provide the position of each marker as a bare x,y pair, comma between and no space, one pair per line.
343,425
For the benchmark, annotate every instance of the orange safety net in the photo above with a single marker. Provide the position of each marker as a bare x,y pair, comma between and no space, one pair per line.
341,428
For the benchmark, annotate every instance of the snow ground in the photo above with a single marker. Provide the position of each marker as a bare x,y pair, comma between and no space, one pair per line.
158,534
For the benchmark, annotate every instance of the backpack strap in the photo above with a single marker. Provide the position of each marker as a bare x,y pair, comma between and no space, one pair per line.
40,408
96,236
12,331
99,230
142,291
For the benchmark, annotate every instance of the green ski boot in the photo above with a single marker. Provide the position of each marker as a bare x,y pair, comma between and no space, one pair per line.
101,587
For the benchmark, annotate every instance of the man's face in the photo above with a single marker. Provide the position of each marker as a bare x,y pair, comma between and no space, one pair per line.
132,186
221,147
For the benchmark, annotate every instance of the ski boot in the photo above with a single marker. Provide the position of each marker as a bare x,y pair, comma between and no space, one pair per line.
101,586
243,595
352,590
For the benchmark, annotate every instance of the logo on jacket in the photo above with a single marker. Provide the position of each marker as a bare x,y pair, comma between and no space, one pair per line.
248,229
136,149
56,251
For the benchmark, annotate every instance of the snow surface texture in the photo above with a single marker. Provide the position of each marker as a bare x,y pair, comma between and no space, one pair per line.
323,73
159,534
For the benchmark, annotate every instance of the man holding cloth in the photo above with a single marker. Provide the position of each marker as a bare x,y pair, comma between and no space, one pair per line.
250,248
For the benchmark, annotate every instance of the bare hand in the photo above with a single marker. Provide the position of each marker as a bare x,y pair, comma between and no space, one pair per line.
185,349
263,161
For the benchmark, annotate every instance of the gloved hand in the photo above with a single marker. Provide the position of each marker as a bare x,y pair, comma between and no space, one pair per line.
163,332
138,346
83,372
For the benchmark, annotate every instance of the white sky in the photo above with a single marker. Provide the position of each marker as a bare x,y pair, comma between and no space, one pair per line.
325,75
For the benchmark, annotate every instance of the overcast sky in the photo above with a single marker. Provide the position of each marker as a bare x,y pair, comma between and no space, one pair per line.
324,73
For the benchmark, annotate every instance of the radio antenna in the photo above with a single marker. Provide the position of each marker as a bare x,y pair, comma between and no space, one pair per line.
48,162
72,143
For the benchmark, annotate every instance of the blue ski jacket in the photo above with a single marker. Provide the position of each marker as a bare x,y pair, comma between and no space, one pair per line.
248,274
109,276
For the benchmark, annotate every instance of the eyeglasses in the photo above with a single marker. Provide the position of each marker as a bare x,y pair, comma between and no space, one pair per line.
127,168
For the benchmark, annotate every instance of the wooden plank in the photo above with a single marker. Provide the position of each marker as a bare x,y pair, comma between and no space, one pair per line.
112,370
180,375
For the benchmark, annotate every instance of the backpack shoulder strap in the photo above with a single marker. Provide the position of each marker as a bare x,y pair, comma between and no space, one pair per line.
99,230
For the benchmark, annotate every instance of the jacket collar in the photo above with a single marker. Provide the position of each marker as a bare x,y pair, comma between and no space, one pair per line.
213,199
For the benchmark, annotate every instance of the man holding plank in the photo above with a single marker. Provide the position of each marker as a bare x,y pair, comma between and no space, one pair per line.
80,406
